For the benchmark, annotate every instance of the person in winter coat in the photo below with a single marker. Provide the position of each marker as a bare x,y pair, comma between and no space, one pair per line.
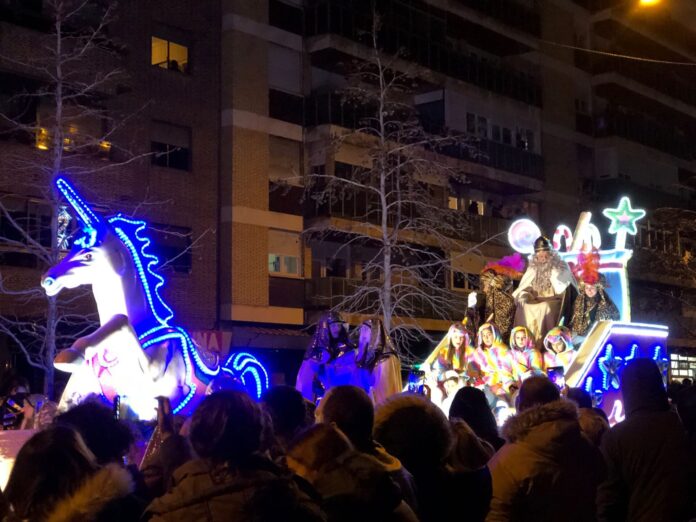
416,431
231,480
55,478
352,411
648,457
353,485
471,405
547,470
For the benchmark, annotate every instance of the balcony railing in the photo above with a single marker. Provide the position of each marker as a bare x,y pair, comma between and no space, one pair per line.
342,18
639,129
332,291
509,12
658,79
327,108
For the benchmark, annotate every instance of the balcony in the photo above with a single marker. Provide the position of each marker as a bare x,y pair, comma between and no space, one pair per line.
331,291
510,13
328,109
656,78
639,129
428,48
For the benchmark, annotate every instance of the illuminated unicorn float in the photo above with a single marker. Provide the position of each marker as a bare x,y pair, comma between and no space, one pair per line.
137,353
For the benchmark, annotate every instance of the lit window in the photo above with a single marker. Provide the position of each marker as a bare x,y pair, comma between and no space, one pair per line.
274,263
453,203
290,264
42,139
169,55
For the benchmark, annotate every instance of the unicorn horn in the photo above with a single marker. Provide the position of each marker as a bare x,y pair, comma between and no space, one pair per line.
84,211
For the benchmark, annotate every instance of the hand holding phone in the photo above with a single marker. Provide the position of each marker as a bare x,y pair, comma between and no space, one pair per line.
556,375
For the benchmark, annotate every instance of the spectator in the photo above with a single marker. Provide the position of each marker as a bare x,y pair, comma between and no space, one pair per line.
353,485
471,406
415,431
107,438
686,408
288,413
352,411
231,480
469,453
55,477
547,470
593,421
647,455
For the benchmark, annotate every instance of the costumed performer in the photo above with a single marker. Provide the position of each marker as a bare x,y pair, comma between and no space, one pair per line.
527,360
541,291
451,382
329,341
454,352
377,362
558,348
494,359
593,303
496,287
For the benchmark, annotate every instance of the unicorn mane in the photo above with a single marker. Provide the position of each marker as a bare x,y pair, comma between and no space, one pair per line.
133,234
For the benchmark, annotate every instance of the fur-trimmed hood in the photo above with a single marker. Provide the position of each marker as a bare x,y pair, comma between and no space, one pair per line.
561,416
110,483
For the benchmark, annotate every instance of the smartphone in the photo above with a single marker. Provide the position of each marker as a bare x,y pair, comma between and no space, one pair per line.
556,375
416,380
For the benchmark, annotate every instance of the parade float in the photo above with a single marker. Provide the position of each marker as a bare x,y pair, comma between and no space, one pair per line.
139,352
598,358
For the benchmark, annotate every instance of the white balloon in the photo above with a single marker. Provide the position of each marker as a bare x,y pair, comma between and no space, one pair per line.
522,234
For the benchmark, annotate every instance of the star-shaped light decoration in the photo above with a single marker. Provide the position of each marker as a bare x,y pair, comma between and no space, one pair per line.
662,363
610,366
623,220
596,395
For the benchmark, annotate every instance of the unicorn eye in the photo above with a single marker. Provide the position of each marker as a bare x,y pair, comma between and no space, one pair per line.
88,256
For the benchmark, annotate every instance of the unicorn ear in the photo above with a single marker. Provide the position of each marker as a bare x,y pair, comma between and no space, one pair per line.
85,213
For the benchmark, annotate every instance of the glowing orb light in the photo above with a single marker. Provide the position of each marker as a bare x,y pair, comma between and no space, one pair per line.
522,234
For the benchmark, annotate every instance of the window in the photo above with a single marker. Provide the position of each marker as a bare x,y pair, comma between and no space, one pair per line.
495,133
453,203
470,123
464,281
173,246
285,107
507,136
169,55
285,16
284,253
482,127
171,146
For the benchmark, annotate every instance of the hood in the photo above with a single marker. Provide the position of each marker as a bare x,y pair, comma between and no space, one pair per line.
390,462
545,427
642,387
106,485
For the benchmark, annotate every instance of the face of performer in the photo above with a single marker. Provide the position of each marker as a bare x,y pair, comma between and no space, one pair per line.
364,340
590,291
559,346
451,386
457,338
487,337
520,339
335,329
543,256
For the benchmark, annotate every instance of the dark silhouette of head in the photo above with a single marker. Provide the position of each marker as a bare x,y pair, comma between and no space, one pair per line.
642,387
352,411
287,409
107,438
537,391
50,466
580,397
226,427
471,406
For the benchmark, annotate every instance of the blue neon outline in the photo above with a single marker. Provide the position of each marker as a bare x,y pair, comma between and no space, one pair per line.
608,356
85,212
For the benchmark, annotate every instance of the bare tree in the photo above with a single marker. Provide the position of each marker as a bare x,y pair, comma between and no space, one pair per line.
68,110
399,216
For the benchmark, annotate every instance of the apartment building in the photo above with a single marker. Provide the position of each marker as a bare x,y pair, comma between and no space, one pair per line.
244,93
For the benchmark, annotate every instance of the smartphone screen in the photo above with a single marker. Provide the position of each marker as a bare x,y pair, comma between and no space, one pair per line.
556,375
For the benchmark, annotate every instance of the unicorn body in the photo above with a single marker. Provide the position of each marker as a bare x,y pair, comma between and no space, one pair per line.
137,353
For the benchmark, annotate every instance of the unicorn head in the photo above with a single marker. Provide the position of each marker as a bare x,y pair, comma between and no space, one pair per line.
97,257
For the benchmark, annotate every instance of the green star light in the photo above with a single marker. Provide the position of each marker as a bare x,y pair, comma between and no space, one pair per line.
623,217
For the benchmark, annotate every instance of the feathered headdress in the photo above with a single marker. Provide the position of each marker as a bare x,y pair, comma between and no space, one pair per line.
587,268
512,266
